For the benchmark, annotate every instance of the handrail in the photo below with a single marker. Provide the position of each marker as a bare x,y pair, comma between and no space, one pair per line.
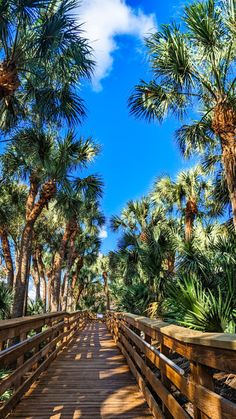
15,328
27,350
5,324
154,349
183,334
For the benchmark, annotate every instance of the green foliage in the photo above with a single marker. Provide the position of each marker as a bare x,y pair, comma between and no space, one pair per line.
134,298
7,394
189,304
43,45
93,298
35,307
6,299
156,271
193,68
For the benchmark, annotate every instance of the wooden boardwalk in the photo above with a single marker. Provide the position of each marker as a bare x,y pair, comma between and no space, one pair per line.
90,379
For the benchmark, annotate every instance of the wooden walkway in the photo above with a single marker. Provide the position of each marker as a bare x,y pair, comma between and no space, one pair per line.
90,379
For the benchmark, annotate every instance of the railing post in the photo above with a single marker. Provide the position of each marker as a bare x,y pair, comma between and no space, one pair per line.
200,375
20,360
82,320
166,382
148,339
66,328
37,348
109,320
115,327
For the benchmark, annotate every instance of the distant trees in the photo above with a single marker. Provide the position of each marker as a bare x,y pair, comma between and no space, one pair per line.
188,194
160,270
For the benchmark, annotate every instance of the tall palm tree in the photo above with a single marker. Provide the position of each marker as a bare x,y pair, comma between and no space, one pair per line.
12,199
136,217
189,193
46,162
102,266
194,64
82,252
46,234
43,57
73,202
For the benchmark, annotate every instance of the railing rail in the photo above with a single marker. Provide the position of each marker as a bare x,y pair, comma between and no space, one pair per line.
29,344
153,350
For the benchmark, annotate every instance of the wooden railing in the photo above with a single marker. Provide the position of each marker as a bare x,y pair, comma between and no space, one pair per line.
28,346
175,367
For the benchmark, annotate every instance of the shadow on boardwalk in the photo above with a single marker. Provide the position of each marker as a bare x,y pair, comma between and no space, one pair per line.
88,380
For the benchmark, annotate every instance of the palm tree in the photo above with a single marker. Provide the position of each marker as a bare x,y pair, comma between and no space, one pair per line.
73,202
6,213
146,252
46,161
102,266
82,251
46,234
196,65
190,193
136,217
36,276
43,57
12,199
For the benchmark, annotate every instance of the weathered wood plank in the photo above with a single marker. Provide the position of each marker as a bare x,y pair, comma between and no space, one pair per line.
90,379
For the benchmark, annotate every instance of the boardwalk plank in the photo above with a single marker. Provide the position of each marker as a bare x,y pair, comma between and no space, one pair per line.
91,379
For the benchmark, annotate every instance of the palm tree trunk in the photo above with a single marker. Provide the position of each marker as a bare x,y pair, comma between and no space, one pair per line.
54,288
9,80
73,300
188,227
65,292
17,258
171,264
70,260
79,295
106,289
41,268
7,257
33,211
22,275
36,276
190,214
224,125
70,228
49,289
229,163
71,296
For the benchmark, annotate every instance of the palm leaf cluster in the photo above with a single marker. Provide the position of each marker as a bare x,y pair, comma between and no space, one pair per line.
44,54
159,270
50,215
193,65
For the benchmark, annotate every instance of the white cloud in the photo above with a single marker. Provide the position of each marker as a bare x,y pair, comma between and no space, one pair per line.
103,234
103,20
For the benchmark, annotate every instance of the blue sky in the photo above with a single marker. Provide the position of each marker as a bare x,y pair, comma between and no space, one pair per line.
134,152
